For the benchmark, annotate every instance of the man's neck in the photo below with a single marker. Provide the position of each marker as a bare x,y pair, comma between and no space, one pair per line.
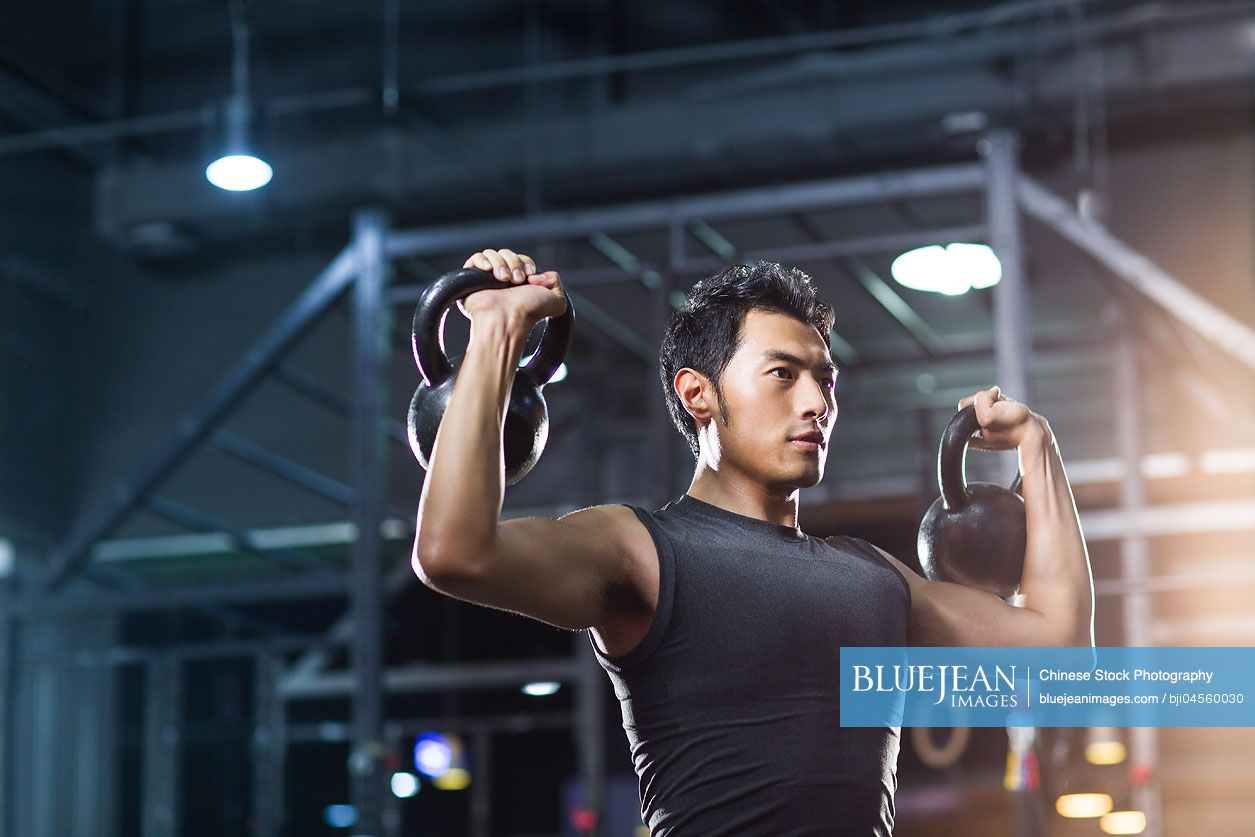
736,493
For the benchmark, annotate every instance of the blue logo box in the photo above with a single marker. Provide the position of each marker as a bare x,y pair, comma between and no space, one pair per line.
1048,687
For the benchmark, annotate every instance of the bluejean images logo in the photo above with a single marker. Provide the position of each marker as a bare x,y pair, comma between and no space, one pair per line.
960,686
1048,687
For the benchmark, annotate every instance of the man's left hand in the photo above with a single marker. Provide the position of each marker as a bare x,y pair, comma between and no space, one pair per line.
1005,423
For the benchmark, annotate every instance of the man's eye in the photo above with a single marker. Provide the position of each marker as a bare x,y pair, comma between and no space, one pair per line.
831,383
781,369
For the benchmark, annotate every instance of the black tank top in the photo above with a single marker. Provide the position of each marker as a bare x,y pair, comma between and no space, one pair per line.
731,701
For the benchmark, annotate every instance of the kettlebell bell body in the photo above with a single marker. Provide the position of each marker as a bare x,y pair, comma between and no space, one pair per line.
526,427
974,534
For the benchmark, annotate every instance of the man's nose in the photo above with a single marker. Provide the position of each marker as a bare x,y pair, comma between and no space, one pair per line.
816,404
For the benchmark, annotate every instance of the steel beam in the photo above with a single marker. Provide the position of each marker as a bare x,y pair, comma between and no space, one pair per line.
283,468
190,518
269,590
437,678
369,469
1171,294
230,391
316,391
916,326
581,223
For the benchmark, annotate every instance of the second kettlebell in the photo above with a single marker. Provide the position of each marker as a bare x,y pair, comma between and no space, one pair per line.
974,533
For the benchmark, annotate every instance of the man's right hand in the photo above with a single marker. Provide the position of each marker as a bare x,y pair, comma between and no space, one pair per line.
535,297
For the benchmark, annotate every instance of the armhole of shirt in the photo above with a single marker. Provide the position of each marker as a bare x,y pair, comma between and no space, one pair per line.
662,612
874,552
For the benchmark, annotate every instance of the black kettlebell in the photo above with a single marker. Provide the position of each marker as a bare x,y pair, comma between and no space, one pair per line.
974,533
527,420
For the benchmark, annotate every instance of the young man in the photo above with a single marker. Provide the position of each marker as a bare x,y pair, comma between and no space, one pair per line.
718,621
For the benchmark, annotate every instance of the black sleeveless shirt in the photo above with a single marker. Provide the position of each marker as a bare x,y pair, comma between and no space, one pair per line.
731,701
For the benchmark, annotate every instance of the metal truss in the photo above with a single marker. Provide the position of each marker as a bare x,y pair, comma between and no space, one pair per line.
364,267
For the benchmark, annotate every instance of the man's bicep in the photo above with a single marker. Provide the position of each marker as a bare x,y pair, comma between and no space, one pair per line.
556,571
952,614
943,613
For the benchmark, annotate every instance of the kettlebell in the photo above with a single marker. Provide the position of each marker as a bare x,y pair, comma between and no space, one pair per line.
526,426
974,533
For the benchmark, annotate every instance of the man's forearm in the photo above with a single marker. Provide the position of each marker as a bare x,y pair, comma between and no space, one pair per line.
1057,582
461,501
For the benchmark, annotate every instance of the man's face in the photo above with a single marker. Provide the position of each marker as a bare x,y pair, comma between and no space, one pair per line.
777,387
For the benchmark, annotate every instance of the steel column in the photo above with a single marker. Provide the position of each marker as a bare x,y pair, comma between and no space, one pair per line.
8,682
1013,331
269,745
160,797
481,784
1135,560
370,356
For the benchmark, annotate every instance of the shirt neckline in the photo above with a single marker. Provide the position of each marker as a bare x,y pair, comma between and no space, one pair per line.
688,502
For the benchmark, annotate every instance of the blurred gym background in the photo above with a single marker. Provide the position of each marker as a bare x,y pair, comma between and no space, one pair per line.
208,622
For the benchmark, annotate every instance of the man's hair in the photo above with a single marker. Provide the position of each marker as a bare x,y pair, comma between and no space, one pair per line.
707,331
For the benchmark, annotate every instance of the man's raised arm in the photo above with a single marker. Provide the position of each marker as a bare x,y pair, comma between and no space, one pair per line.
1058,590
561,572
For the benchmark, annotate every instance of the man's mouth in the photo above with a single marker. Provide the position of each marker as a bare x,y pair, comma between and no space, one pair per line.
808,441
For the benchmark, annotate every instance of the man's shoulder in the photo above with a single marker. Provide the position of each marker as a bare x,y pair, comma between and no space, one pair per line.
617,522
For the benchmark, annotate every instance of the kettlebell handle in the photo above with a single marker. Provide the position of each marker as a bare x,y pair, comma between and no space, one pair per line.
952,459
427,334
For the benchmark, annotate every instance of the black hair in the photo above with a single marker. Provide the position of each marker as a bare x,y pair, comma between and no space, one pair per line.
706,333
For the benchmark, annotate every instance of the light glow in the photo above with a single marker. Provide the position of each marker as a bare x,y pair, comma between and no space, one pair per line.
239,172
404,785
1123,822
542,688
432,755
951,270
340,816
453,779
1078,805
1105,752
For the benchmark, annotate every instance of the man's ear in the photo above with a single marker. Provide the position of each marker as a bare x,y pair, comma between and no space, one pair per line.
696,394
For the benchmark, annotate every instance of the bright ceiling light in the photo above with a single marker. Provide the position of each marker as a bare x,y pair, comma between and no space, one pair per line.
1123,822
952,270
541,688
1083,804
238,166
239,172
404,785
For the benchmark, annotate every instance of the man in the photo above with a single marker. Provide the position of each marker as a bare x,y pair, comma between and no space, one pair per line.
717,620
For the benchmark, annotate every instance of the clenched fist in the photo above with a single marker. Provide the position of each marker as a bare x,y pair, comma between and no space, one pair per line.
1005,423
534,296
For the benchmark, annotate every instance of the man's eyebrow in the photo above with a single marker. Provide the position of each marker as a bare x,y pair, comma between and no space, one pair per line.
787,357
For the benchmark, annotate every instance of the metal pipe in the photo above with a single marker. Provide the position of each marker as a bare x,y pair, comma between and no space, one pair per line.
370,357
283,468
